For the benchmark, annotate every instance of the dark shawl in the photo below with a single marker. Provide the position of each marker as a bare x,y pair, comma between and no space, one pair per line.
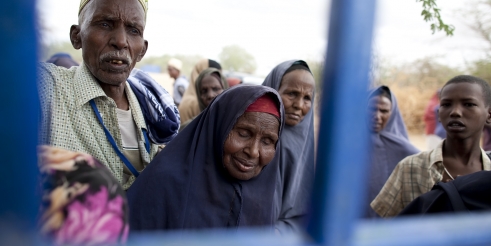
466,193
186,186
389,147
296,169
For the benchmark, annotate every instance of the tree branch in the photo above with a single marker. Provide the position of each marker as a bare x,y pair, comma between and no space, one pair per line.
431,13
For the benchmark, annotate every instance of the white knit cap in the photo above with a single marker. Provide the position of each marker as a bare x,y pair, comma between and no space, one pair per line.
175,63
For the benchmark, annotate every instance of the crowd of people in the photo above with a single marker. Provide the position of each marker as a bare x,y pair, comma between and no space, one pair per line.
120,154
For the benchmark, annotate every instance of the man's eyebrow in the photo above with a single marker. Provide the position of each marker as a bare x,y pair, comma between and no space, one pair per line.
106,17
133,23
460,99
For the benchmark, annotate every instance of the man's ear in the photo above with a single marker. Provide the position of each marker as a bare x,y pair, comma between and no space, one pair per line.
143,52
75,37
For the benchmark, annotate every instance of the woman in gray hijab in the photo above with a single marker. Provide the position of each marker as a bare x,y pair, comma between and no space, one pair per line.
295,83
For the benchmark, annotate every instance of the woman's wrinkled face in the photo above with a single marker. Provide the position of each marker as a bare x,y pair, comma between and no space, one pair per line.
380,108
210,87
250,145
296,91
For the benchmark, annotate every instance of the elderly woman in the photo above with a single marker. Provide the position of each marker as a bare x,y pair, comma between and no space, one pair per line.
390,142
219,172
209,84
295,84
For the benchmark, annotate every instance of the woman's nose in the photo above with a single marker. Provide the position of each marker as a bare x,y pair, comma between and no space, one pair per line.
211,95
377,116
297,103
252,149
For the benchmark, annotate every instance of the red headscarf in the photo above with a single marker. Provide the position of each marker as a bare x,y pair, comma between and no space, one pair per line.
264,104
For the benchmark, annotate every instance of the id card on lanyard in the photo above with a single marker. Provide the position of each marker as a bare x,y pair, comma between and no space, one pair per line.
110,138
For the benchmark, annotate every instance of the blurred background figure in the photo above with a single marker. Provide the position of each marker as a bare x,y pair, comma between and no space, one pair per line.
174,67
233,81
390,142
189,107
62,60
209,84
431,122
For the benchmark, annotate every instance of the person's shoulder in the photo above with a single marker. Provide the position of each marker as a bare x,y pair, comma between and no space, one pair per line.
50,67
182,80
421,159
57,73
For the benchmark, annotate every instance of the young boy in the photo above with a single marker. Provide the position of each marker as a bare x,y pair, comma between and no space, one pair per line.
464,110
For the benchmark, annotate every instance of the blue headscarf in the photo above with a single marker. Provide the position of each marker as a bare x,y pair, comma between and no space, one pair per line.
158,108
296,169
186,185
389,147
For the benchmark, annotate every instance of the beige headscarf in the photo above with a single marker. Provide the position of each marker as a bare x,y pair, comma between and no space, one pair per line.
189,107
144,4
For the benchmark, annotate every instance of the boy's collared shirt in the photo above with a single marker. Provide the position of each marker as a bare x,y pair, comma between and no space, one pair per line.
412,177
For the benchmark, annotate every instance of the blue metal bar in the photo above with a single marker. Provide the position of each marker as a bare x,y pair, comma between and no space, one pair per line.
343,135
444,229
19,114
342,153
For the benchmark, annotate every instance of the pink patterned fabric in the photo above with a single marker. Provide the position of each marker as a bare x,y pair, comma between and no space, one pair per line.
83,203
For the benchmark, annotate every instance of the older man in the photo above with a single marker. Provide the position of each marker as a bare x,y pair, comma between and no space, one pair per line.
91,108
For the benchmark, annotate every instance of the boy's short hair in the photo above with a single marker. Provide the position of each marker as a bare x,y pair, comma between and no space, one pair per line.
486,88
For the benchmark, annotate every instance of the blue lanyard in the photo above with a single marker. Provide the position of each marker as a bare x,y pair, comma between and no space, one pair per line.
113,143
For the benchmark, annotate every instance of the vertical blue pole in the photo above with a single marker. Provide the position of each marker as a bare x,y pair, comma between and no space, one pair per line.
19,114
342,156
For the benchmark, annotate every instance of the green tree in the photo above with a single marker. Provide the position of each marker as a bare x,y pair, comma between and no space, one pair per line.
235,58
431,13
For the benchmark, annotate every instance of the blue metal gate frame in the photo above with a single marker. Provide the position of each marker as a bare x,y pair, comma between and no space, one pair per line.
342,156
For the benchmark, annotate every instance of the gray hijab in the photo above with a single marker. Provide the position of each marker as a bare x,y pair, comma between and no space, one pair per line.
389,147
296,170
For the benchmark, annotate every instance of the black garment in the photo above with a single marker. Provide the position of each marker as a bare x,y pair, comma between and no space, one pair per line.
466,193
186,185
214,64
